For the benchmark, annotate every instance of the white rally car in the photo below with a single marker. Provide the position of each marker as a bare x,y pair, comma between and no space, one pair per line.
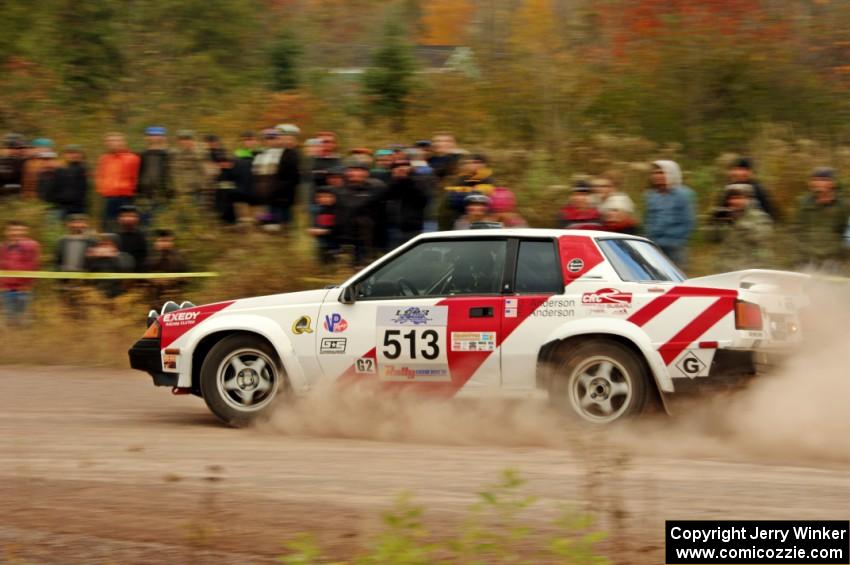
601,324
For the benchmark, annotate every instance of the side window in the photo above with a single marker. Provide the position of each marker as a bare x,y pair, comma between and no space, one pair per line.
537,269
439,268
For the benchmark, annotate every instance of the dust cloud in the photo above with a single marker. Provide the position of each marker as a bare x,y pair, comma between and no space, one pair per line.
363,412
796,414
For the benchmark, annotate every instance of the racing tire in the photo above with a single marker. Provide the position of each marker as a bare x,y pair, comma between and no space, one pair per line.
599,382
241,377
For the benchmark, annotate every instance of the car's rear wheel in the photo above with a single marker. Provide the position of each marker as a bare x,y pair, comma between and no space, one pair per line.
599,381
240,379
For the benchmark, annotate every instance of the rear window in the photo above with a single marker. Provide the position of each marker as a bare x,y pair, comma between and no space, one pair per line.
636,260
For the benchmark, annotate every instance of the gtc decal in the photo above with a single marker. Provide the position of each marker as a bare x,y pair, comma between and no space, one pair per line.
302,325
333,345
335,323
607,296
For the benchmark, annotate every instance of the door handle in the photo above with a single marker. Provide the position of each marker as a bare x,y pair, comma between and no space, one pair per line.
481,312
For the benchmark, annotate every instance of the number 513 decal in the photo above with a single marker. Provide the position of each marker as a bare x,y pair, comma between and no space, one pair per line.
413,344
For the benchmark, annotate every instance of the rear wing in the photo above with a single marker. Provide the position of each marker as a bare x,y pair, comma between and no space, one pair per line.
756,280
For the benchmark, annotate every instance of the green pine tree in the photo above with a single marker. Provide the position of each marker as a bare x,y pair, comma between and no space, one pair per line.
390,78
283,60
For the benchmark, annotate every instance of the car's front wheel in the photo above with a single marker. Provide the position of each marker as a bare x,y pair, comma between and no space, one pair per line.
600,381
240,379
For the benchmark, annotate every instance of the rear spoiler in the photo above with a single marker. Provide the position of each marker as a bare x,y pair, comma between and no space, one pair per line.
755,280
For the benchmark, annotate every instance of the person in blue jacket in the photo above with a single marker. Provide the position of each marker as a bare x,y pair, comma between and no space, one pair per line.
670,216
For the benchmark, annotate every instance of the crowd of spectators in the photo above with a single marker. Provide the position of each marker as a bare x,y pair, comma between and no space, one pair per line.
360,204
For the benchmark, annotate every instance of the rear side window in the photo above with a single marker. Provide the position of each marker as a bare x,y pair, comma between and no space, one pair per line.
538,270
636,260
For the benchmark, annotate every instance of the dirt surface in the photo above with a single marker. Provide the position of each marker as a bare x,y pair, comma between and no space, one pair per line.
100,466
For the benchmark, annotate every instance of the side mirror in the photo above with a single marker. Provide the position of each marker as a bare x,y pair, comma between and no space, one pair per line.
348,295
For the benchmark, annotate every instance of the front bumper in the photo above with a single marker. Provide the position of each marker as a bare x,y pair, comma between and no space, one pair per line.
145,356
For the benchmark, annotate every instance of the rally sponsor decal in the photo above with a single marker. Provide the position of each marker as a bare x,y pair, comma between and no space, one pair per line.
556,308
607,296
302,325
412,316
180,318
333,345
414,373
473,341
335,323
511,307
607,301
575,265
175,324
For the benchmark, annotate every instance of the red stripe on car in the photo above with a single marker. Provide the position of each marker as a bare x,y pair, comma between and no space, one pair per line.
696,328
658,305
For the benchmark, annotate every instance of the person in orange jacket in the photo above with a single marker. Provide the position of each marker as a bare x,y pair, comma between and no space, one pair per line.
116,177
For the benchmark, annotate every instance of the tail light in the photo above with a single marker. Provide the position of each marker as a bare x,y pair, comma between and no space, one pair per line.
154,331
747,316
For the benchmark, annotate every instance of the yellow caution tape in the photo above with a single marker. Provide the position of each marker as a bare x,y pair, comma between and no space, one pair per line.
100,276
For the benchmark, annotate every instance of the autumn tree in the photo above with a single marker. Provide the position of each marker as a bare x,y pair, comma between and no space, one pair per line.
390,78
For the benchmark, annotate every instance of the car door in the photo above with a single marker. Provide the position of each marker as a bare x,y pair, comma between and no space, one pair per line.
536,304
428,318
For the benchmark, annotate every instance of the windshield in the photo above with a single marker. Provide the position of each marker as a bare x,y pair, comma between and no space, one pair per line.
636,260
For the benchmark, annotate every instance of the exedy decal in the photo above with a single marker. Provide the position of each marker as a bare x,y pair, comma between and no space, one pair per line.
302,325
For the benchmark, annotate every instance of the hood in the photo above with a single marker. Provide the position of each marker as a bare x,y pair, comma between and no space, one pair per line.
672,172
286,299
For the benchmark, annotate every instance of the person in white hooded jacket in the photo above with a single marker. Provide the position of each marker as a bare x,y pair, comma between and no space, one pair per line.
670,214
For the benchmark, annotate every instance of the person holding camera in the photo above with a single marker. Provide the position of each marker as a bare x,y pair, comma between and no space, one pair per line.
744,231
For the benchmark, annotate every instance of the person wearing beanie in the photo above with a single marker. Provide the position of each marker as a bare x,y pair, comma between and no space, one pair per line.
69,186
12,159
43,159
187,172
362,202
407,198
819,225
241,175
741,171
71,249
670,216
326,226
579,213
154,190
477,213
743,230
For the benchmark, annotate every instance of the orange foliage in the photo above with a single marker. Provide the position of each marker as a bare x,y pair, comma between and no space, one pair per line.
444,22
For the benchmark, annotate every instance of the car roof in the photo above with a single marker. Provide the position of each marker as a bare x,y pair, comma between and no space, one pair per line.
525,233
